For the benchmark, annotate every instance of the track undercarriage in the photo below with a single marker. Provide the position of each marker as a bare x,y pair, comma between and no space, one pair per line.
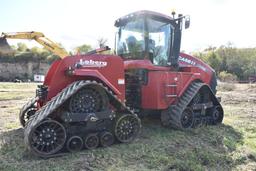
86,114
197,106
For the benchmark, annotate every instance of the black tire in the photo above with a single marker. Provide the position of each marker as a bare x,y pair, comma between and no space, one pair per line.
88,99
127,128
173,118
106,139
91,141
74,144
187,118
47,138
25,116
217,115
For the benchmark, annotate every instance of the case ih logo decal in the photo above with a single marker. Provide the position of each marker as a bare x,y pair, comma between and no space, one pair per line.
190,62
91,63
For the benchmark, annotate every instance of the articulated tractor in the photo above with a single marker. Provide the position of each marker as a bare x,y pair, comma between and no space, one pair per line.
95,99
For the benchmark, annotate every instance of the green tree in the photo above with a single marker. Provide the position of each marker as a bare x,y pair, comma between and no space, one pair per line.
22,47
240,62
214,60
83,48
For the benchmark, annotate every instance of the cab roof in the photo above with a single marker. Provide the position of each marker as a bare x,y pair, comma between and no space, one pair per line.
152,14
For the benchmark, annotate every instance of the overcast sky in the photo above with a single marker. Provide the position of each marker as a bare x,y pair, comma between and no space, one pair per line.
75,22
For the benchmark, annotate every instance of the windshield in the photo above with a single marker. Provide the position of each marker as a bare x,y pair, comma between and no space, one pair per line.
144,38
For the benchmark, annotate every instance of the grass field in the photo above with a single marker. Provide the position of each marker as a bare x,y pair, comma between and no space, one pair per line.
229,146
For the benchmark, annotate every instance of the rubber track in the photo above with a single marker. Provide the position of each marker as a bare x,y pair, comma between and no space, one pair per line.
25,107
172,117
48,109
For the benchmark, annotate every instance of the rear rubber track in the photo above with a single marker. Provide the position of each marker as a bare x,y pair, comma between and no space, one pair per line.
24,109
172,117
47,111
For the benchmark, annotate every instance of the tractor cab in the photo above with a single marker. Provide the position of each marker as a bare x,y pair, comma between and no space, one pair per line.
149,35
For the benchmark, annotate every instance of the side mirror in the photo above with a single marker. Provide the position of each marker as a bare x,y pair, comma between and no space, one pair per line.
187,22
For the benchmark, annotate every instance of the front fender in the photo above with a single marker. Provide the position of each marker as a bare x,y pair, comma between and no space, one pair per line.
98,75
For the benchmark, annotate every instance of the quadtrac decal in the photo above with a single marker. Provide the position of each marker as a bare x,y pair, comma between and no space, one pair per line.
186,60
91,63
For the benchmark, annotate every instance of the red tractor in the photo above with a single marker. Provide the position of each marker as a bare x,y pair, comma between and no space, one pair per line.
95,100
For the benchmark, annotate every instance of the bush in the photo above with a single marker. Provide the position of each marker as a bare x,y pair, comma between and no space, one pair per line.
227,77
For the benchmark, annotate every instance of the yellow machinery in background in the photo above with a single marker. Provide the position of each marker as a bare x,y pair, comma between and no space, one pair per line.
37,36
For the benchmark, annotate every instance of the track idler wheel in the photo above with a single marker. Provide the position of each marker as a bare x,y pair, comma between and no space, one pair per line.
187,118
47,138
91,141
127,128
74,144
106,139
217,115
24,116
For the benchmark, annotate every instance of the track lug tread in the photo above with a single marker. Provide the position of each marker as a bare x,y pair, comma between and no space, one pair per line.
48,109
175,111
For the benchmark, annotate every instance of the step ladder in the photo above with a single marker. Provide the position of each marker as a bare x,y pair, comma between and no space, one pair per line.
173,88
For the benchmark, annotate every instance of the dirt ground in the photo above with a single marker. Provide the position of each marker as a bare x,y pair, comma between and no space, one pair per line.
229,146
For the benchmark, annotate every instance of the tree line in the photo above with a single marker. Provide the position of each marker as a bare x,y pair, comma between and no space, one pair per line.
228,61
